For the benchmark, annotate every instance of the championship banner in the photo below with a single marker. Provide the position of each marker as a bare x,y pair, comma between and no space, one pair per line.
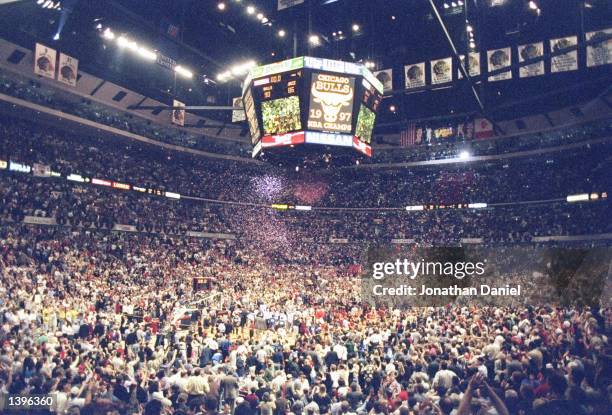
385,77
443,133
568,61
44,61
178,115
68,69
531,51
599,53
415,75
441,71
499,59
285,4
473,68
238,114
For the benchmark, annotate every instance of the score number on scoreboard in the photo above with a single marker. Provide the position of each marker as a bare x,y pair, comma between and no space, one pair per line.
331,103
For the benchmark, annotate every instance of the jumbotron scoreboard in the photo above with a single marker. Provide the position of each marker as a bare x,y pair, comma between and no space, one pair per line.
308,100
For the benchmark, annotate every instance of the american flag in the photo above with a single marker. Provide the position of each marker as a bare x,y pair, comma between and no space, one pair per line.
410,136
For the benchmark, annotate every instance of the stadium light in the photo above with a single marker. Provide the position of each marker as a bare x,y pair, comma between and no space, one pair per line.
236,70
260,16
122,41
578,198
147,54
108,34
56,36
183,71
221,6
356,27
464,155
446,6
250,10
314,40
281,33
533,5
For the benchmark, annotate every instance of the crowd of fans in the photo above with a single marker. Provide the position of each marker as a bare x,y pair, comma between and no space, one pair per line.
112,322
510,183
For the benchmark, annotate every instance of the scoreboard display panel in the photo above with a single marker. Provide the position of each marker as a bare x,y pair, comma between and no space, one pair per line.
368,108
278,95
251,116
331,102
311,101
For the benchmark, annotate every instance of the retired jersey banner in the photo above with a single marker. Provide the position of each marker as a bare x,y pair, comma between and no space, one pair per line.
44,61
415,75
238,114
68,69
499,59
567,61
531,51
599,53
441,71
385,77
178,115
473,68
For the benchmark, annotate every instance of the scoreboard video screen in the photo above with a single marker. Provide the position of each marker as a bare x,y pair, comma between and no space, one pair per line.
280,102
311,101
331,103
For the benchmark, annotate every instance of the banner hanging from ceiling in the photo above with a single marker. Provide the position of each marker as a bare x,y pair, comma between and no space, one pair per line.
178,114
238,114
473,68
68,69
599,53
45,59
527,52
567,61
499,59
442,71
415,75
385,77
285,4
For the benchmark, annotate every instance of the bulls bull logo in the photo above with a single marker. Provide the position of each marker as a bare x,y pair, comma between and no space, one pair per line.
331,99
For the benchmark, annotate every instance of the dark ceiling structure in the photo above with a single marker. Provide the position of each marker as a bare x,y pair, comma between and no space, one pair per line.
211,36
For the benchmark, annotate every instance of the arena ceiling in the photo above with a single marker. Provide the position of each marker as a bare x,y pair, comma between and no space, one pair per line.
210,39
